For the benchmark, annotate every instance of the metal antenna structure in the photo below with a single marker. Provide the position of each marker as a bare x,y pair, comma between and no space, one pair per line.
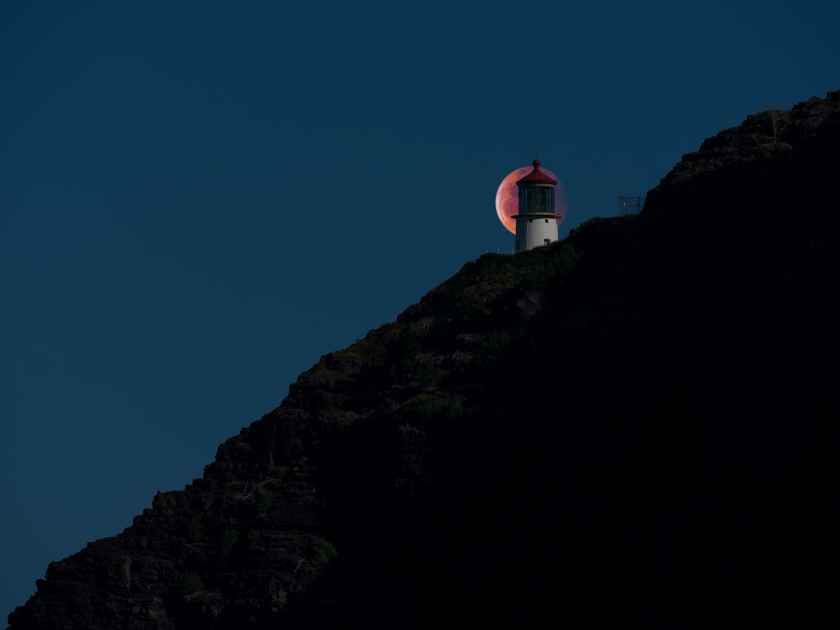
629,204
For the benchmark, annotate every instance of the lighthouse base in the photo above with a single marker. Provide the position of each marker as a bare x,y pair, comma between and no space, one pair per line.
534,230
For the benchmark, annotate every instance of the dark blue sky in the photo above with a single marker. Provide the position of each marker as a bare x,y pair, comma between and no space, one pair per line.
198,199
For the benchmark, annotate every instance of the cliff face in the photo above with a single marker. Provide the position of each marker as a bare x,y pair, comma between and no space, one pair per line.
674,462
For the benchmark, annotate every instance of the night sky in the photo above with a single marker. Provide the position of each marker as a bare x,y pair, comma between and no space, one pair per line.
199,199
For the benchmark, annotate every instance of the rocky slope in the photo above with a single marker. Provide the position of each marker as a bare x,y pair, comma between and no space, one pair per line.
638,425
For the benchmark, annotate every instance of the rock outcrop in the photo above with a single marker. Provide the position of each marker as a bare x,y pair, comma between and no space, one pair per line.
636,426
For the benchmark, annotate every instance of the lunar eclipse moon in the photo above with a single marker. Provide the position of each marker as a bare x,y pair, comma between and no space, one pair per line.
507,197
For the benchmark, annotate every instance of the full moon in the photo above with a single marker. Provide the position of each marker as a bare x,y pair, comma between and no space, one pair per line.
507,197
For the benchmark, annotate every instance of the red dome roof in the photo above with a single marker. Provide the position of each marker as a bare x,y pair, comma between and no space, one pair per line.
537,176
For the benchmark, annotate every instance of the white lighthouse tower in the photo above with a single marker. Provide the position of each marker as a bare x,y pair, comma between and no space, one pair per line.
536,223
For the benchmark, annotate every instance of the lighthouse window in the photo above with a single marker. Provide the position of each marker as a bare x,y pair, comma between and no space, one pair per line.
546,220
537,199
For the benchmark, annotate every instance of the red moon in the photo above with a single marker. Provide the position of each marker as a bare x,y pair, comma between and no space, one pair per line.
507,197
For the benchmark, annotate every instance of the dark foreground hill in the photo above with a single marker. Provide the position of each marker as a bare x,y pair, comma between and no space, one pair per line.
637,426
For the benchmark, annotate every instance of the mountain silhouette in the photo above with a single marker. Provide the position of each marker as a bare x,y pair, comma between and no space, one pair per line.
637,425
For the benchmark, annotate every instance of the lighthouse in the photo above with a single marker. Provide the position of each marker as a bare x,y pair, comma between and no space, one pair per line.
537,220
